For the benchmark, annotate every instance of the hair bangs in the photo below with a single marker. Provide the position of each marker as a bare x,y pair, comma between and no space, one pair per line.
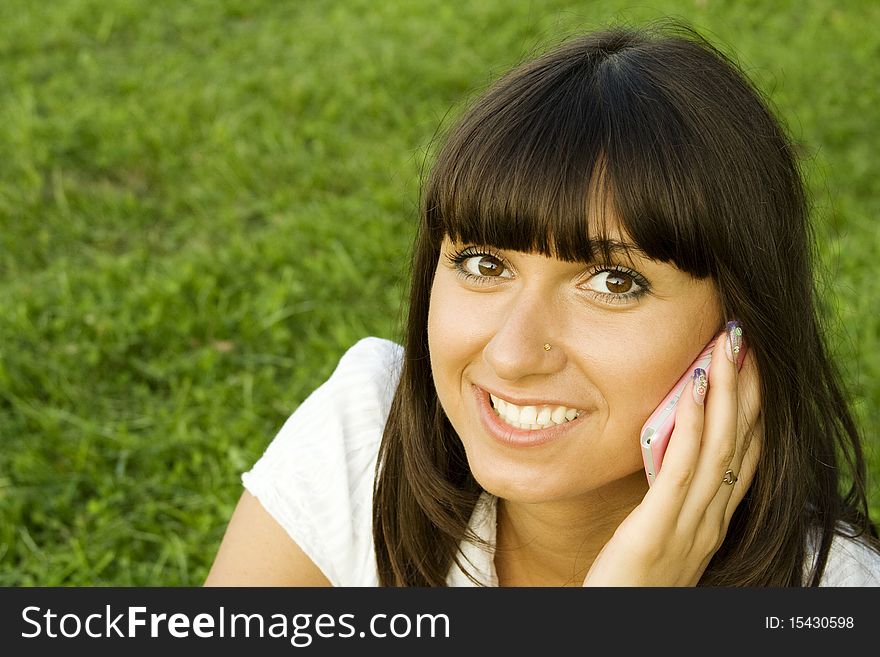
578,162
516,174
674,183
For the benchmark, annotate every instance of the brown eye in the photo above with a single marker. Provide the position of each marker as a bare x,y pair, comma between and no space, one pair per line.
614,285
618,282
486,266
490,266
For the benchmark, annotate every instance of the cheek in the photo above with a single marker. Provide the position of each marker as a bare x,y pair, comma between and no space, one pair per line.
636,362
618,360
458,325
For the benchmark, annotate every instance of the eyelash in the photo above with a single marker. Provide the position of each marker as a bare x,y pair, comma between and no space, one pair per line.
458,258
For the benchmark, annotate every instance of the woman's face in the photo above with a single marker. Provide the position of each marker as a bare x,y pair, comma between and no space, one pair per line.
620,334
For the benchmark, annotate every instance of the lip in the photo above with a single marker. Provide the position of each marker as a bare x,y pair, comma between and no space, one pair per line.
511,436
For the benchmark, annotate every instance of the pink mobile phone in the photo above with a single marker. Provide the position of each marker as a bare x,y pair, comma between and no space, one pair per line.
656,431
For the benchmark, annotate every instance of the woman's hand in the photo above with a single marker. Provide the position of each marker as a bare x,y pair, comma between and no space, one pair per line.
670,537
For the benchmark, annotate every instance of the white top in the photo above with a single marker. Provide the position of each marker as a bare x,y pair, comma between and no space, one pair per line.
316,480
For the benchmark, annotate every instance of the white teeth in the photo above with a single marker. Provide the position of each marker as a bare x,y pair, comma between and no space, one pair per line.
558,415
532,417
544,415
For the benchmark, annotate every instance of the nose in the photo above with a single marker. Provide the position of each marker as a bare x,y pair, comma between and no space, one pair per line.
527,326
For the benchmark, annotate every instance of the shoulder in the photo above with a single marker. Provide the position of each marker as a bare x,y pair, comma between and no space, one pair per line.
316,476
354,399
851,562
370,354
368,370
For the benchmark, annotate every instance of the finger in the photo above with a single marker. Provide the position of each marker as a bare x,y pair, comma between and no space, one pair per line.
683,450
719,440
716,518
748,392
713,530
745,462
747,470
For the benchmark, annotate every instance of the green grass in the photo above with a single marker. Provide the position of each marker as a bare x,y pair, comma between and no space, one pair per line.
203,204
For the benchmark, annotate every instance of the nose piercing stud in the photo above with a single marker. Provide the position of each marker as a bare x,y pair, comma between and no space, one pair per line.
546,346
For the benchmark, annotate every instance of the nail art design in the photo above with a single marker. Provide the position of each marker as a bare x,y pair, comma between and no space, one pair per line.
701,384
733,345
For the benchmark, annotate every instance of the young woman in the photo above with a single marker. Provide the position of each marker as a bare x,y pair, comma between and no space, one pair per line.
592,222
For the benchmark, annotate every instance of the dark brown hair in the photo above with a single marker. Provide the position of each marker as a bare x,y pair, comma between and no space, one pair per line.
700,174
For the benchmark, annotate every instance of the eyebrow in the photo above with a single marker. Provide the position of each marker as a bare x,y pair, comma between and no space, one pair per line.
617,248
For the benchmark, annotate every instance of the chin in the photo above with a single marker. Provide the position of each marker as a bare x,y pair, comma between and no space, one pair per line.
517,482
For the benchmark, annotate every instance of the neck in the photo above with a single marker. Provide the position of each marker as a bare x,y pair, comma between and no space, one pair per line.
555,543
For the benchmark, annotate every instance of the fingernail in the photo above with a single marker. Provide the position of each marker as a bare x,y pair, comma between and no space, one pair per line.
733,344
701,383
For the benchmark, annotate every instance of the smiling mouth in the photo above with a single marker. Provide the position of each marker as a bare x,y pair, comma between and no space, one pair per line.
532,417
